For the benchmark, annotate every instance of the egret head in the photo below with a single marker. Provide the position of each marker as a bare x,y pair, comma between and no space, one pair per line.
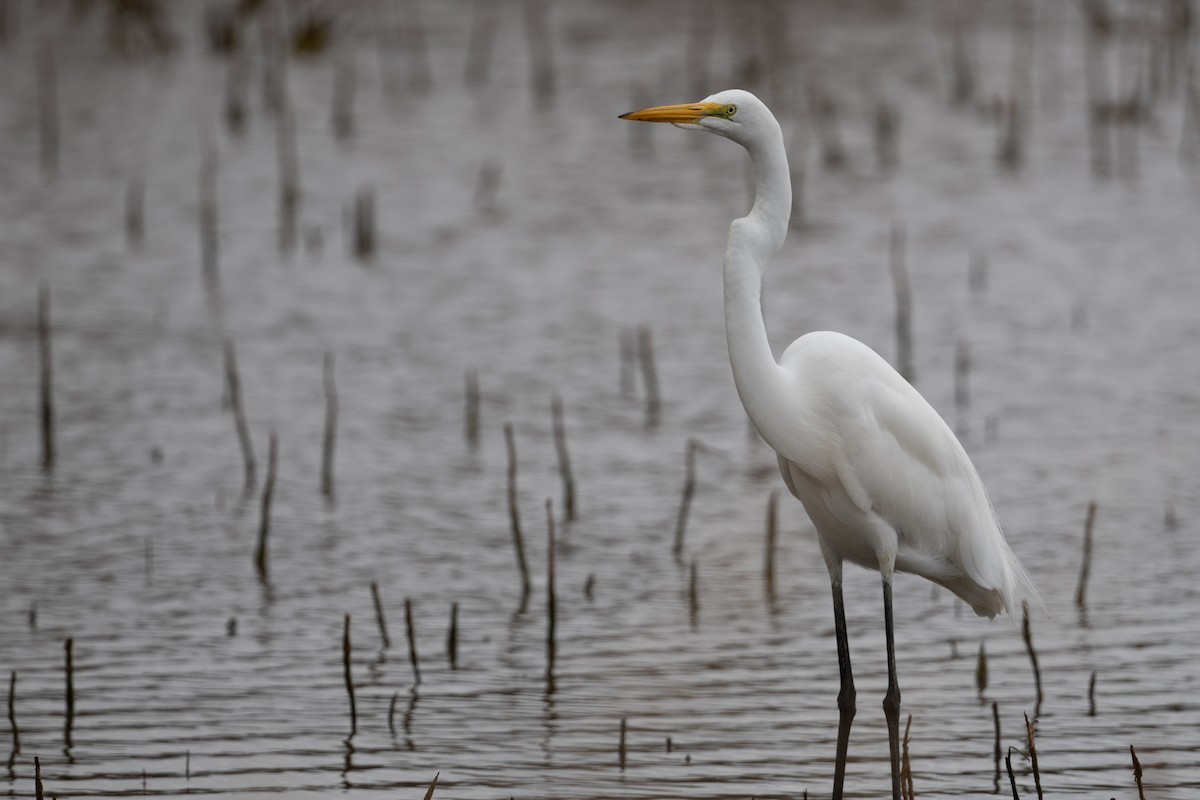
734,113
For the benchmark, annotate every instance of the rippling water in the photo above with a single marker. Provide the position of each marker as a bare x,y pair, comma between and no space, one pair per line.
191,675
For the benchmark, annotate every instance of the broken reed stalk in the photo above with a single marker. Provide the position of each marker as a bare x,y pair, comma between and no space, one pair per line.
452,637
772,528
330,439
514,514
649,374
1012,780
39,790
981,671
996,747
1030,733
379,617
689,488
47,377
234,384
264,528
432,786
621,746
135,217
1085,568
904,354
627,358
1137,773
364,224
47,83
346,651
12,712
551,600
392,713
341,116
1092,695
481,44
693,595
471,423
69,721
209,238
906,781
538,37
412,640
1027,635
564,459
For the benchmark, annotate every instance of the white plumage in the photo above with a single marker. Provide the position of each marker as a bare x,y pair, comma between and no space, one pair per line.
885,481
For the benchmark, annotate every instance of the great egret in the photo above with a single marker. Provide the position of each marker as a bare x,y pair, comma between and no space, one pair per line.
885,481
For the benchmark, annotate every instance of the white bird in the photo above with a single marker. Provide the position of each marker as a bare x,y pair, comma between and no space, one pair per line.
884,480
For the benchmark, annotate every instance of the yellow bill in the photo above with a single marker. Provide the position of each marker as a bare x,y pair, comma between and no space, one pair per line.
685,113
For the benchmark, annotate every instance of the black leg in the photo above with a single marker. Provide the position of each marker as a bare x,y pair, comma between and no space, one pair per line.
891,700
846,707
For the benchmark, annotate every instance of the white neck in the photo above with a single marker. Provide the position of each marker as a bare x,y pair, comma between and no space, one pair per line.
753,239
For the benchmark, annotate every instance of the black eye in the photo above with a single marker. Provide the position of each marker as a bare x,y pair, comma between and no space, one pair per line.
730,110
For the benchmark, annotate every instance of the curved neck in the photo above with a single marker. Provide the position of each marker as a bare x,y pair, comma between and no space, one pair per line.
753,239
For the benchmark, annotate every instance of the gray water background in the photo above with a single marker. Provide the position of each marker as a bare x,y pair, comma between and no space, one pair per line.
1084,386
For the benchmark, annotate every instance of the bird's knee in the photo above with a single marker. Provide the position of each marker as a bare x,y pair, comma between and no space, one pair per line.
891,701
846,701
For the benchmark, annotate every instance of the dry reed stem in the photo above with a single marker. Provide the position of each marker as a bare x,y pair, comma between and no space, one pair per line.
452,637
693,595
996,747
772,532
514,514
234,385
1137,773
12,713
551,600
689,489
364,224
1085,568
391,715
1092,695
471,421
379,617
432,786
39,790
1012,780
208,220
69,720
330,439
621,746
1031,735
349,679
1027,635
264,528
981,671
412,640
47,377
906,781
564,458
649,375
